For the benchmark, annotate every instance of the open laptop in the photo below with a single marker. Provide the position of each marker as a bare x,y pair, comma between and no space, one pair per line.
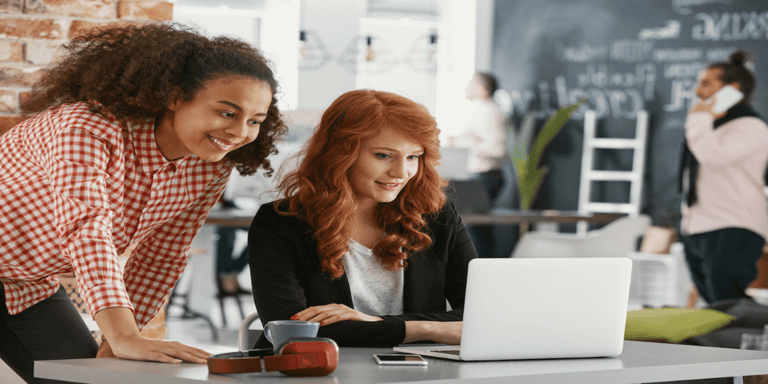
540,308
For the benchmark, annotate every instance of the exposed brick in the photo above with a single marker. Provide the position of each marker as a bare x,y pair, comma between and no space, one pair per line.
11,6
8,122
19,76
99,9
11,51
42,52
79,27
145,10
33,28
23,96
9,101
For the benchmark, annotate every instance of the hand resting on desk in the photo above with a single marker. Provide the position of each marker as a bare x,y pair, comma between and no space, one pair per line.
125,341
156,350
437,331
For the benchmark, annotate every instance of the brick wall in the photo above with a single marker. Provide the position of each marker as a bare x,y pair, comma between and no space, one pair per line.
31,32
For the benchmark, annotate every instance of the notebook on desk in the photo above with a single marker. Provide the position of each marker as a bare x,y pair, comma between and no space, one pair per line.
544,308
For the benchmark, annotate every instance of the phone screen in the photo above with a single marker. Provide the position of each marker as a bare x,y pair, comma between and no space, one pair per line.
399,359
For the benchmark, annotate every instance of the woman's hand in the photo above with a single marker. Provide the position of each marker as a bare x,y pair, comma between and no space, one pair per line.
447,332
332,313
104,350
140,348
123,340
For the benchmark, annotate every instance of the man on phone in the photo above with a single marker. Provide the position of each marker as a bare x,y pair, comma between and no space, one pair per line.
724,213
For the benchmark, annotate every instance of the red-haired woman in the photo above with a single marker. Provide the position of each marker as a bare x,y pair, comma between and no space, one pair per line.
363,241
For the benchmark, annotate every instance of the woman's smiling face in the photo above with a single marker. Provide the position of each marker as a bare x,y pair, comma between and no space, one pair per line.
383,167
224,115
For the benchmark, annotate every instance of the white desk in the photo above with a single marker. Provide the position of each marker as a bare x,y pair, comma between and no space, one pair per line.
640,363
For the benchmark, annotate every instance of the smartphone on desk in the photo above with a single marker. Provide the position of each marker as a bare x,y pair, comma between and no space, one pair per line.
399,359
725,98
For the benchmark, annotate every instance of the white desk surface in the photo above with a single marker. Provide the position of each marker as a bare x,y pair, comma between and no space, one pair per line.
641,362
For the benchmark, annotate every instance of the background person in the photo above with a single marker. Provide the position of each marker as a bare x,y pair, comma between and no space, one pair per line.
229,265
485,134
724,213
364,242
133,139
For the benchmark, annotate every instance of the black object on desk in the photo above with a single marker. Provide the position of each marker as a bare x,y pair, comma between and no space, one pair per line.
469,196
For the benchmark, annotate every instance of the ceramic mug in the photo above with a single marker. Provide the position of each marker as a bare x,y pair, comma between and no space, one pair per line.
279,331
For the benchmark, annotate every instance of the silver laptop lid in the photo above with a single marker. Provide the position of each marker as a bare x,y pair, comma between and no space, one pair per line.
545,308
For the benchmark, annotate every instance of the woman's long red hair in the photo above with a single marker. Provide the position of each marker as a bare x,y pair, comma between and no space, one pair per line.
320,192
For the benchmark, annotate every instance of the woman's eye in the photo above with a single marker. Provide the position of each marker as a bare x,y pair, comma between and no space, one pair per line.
383,155
414,157
255,123
228,115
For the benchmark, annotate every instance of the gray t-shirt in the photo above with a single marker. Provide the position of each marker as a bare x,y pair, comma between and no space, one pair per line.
376,291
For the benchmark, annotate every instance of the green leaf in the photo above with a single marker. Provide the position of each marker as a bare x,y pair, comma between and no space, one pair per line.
529,175
551,128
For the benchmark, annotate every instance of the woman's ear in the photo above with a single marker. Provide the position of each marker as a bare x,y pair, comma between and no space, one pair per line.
176,99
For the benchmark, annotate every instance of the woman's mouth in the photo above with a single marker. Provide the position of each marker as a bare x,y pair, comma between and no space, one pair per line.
389,186
221,144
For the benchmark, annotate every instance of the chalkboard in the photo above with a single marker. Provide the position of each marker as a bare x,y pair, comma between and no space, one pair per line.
623,55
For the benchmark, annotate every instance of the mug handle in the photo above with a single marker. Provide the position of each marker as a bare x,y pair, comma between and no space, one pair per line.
266,332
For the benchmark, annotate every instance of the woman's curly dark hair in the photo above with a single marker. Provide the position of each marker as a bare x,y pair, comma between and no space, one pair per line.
135,72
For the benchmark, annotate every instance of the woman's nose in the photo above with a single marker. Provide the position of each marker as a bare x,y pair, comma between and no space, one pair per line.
238,129
400,169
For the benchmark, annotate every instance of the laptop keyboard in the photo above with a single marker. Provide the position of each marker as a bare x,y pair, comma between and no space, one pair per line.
447,351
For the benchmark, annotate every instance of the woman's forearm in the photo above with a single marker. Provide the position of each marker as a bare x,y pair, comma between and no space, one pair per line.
117,323
440,332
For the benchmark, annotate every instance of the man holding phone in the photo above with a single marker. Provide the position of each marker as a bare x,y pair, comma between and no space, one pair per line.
724,213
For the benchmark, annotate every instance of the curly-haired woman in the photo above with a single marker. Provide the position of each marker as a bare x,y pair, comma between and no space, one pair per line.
130,141
363,241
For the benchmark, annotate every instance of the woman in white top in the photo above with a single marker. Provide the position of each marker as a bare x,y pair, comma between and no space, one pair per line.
485,134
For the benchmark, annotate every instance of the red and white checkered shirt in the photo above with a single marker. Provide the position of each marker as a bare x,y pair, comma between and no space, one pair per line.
76,190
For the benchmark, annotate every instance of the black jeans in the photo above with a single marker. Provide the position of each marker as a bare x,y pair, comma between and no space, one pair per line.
49,330
722,262
226,262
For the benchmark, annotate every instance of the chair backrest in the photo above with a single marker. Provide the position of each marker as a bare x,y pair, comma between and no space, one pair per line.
246,337
618,238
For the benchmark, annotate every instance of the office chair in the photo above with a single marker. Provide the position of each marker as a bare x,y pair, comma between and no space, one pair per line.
617,239
246,337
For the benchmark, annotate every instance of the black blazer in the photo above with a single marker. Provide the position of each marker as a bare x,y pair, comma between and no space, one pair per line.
286,277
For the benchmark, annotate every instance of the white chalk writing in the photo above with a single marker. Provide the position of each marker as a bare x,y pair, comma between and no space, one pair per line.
730,26
670,31
678,54
631,51
682,95
683,70
583,53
